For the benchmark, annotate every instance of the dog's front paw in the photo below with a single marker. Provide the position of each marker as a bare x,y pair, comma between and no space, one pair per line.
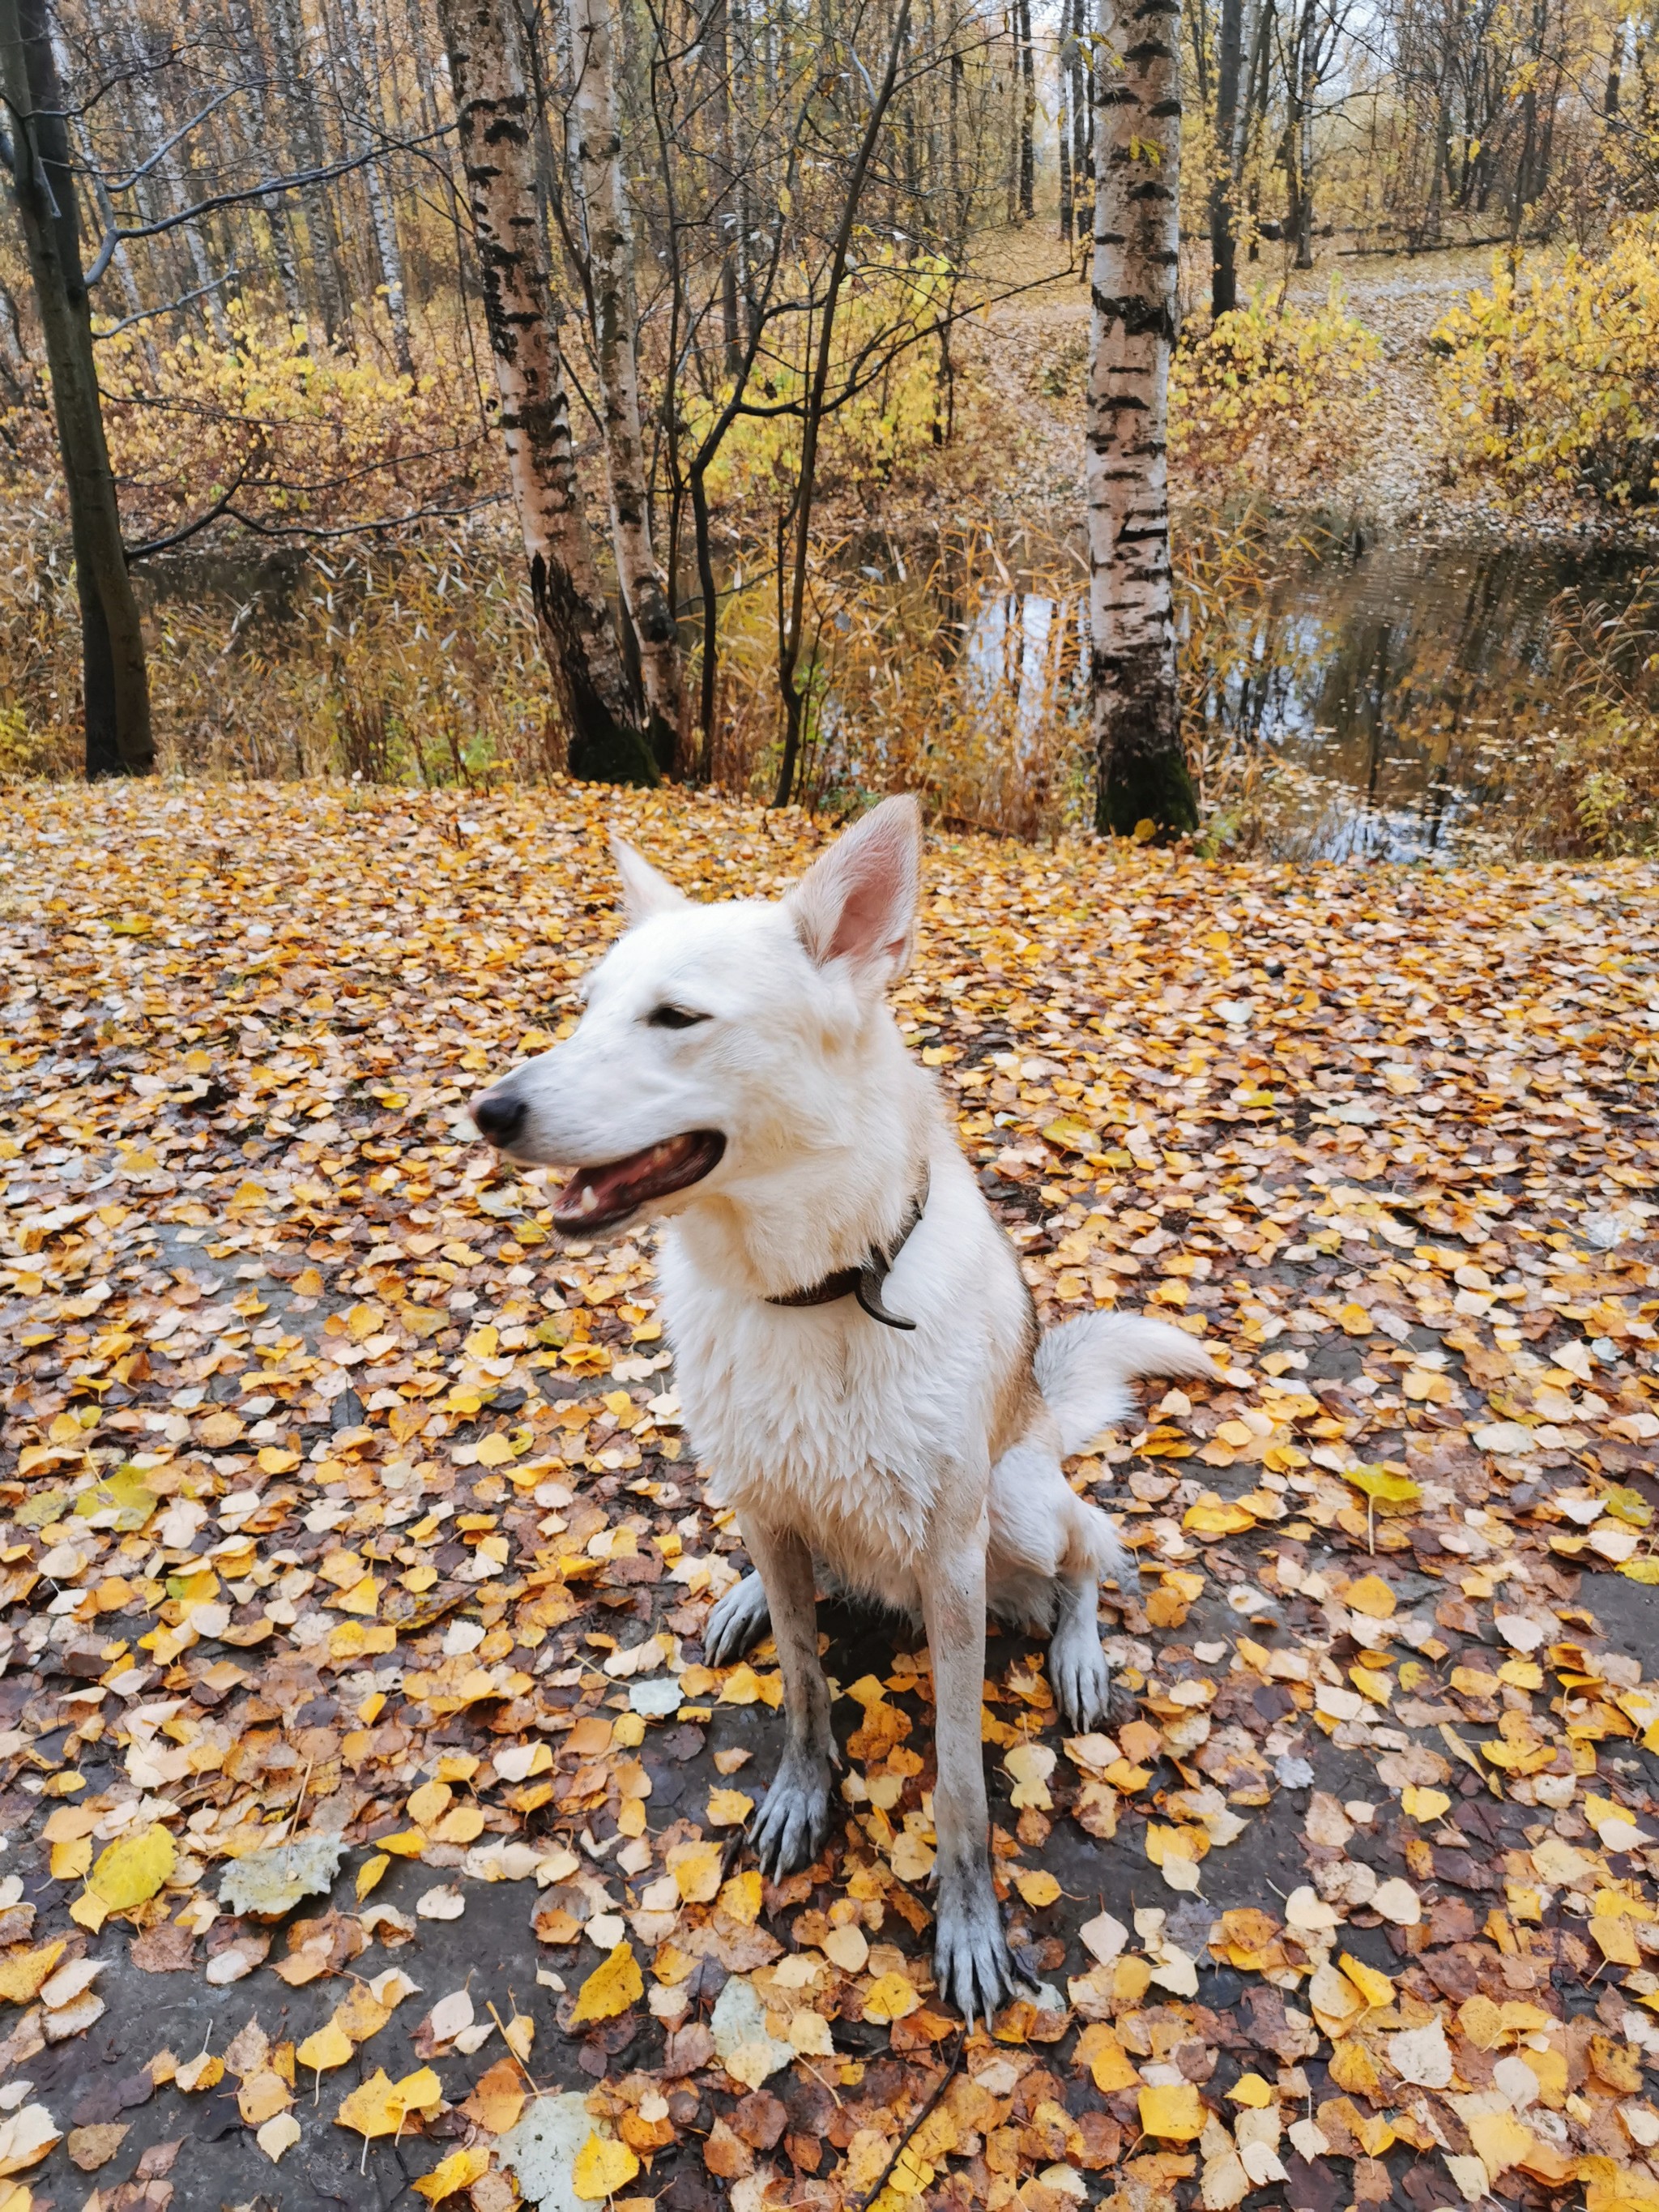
790,1828
737,1623
972,1964
1079,1676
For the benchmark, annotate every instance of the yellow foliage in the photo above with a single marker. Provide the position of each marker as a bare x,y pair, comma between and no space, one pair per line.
1262,370
1553,380
611,1988
891,423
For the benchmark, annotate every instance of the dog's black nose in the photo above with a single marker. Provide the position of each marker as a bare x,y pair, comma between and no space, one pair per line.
498,1116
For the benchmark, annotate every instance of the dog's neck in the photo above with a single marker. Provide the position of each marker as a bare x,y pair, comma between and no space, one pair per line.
828,1201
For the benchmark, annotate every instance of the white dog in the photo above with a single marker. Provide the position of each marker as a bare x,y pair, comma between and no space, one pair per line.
857,1356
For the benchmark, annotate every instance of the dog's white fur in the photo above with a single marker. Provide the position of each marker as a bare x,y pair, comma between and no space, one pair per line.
921,1468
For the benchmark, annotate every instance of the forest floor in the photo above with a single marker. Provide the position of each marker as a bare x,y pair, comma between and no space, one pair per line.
1389,473
367,1805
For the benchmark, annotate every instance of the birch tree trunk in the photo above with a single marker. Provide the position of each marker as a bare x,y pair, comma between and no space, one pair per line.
115,678
1301,165
1141,770
259,145
615,341
323,261
1082,79
497,121
362,58
173,176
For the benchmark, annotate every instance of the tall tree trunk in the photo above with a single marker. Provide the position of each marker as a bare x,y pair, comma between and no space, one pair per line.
116,681
261,145
1615,65
332,294
1224,243
1307,84
492,100
363,58
1141,770
1064,136
1082,137
172,177
1016,113
953,154
717,46
616,337
791,588
1440,176
1252,123
1028,103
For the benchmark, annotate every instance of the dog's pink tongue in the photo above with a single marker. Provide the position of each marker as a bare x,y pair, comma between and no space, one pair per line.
596,1193
595,1198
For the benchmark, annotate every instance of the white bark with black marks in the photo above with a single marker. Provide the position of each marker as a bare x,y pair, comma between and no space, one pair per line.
322,262
1140,768
363,58
615,341
497,124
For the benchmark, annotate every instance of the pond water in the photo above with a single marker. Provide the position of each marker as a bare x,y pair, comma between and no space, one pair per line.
1402,678
1393,683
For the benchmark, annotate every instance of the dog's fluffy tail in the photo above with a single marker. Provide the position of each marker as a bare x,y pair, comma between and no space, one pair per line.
1084,1366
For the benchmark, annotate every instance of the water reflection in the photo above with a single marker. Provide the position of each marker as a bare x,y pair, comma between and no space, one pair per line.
1395,685
1411,677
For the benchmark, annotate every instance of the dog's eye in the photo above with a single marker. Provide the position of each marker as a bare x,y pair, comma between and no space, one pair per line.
675,1018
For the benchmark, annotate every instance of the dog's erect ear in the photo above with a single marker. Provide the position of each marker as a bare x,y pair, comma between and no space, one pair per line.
859,902
644,891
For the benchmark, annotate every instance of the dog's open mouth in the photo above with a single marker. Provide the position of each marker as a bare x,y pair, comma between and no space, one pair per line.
598,1198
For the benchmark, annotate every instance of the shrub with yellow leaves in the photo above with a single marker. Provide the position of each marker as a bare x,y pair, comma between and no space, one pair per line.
1266,381
884,351
1553,381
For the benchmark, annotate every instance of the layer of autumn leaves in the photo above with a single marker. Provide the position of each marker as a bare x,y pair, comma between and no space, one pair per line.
350,1523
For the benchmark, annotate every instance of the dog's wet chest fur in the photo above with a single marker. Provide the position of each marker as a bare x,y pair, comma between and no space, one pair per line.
825,1423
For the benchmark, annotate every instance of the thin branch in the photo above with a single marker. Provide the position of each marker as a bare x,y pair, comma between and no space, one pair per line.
298,181
363,529
171,308
926,2111
152,545
126,184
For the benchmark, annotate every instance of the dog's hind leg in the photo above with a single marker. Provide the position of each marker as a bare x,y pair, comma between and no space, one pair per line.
1078,1672
791,1824
737,1623
1042,1533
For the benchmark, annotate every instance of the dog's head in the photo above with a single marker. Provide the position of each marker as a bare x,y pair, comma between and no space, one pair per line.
717,1041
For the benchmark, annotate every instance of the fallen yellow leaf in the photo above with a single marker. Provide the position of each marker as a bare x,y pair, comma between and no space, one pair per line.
601,2168
611,1988
330,2047
459,2170
132,1870
1173,2110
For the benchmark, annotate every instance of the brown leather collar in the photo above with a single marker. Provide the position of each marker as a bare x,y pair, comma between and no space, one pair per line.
865,1281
